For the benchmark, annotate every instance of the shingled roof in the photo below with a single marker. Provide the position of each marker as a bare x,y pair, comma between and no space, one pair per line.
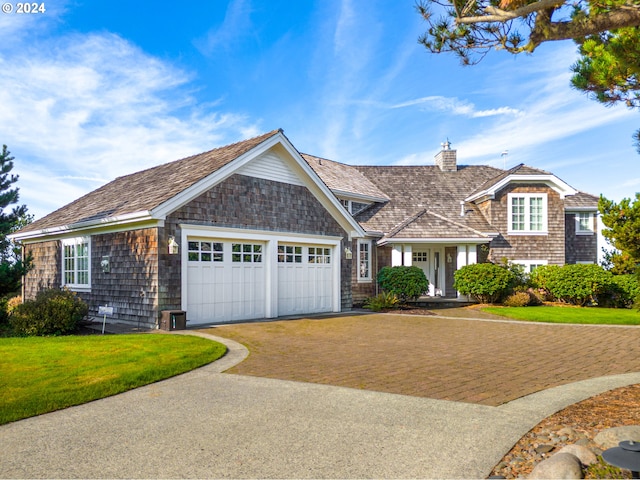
143,191
340,177
429,198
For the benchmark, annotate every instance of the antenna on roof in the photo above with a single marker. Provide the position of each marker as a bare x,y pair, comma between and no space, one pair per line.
504,155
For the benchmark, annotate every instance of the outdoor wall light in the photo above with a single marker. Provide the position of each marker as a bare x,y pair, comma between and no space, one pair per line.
347,253
104,263
174,248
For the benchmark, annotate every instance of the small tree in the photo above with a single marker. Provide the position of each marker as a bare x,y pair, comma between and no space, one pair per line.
405,282
12,265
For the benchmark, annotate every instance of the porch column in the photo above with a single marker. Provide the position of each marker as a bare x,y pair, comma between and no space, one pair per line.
462,256
463,260
472,254
396,256
407,255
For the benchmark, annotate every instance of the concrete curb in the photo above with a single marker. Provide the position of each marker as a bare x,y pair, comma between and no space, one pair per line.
236,352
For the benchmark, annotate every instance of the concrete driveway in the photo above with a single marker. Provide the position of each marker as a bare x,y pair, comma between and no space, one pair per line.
208,424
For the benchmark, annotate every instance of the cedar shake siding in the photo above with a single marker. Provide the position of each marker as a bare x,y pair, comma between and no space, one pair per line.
257,204
131,285
47,258
580,248
549,247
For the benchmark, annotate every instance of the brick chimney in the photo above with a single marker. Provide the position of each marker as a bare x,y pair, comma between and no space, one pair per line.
446,158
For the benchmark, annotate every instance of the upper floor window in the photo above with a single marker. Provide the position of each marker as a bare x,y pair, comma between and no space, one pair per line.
364,260
346,204
76,262
584,223
528,213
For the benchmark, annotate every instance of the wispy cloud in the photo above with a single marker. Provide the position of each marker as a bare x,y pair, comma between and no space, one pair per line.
88,107
456,106
236,26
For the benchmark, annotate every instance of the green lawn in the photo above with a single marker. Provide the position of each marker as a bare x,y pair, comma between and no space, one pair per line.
43,374
555,314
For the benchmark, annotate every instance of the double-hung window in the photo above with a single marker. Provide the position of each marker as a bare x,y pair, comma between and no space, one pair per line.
584,223
76,263
364,261
527,213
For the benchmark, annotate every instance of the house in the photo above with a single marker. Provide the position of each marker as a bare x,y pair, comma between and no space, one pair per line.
258,230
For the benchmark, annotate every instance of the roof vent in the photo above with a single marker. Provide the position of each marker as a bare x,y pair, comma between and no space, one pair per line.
446,159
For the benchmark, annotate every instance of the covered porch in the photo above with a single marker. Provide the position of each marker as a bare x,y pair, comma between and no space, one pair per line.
438,260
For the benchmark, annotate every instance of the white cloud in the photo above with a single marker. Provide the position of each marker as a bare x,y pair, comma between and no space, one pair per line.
96,107
456,106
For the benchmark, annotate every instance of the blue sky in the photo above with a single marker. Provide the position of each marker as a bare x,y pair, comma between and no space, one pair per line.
92,89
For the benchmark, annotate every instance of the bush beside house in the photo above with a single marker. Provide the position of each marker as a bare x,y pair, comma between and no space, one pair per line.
52,312
485,282
407,283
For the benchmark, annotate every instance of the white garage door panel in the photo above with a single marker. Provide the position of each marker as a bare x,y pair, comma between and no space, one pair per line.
305,279
225,281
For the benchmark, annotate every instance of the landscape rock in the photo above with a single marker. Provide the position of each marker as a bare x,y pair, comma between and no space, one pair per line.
544,448
613,436
585,455
559,466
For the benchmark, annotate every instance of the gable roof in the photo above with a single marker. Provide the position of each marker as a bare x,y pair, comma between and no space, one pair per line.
145,190
149,195
519,174
344,179
425,202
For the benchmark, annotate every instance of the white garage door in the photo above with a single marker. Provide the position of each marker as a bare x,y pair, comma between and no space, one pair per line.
305,279
225,280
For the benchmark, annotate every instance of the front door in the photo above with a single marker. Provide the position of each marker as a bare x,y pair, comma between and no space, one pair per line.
450,266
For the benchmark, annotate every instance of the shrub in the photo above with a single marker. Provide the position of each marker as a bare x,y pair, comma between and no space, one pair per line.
405,282
579,284
542,276
485,282
518,299
382,301
52,312
622,292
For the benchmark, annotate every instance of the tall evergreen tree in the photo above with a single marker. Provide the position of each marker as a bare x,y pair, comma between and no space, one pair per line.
12,265
622,230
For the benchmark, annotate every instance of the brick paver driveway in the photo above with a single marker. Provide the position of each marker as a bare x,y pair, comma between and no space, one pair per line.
429,356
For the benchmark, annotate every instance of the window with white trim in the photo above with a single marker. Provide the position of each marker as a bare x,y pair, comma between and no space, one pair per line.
76,262
246,253
364,260
527,213
289,253
584,223
530,265
319,255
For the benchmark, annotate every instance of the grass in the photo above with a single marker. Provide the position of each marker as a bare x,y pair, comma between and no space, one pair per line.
568,314
43,374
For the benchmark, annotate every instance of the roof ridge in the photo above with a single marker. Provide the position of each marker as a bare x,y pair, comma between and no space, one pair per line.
189,157
405,223
461,225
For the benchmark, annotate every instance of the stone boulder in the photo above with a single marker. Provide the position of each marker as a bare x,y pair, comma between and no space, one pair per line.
585,455
613,436
559,466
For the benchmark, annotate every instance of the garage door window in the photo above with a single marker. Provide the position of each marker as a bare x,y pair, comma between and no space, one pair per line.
289,254
205,252
319,255
246,253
